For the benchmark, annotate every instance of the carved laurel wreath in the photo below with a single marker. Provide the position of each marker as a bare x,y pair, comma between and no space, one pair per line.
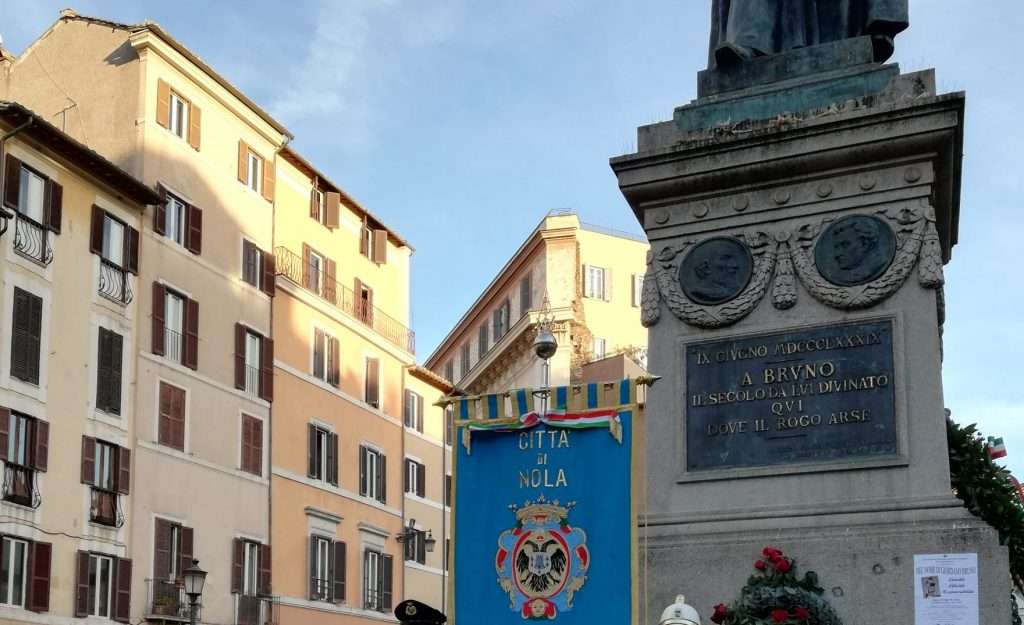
791,259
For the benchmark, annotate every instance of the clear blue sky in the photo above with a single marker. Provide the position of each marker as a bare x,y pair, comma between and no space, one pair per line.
461,123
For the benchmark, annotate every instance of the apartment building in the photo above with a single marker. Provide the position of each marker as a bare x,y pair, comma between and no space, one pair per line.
592,278
203,359
70,223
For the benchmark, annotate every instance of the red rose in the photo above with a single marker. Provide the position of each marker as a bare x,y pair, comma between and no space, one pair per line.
802,614
771,552
720,614
783,566
760,565
780,616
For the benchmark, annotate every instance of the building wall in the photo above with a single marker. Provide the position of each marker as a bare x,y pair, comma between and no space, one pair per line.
616,320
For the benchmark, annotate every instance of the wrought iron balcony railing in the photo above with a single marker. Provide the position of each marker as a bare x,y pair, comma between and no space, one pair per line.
174,345
166,601
291,266
254,610
252,380
20,485
105,508
115,283
31,240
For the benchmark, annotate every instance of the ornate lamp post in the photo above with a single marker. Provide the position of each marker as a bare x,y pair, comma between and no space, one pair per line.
194,578
545,347
409,532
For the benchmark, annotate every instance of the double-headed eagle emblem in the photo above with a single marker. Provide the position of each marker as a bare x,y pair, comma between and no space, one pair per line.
542,562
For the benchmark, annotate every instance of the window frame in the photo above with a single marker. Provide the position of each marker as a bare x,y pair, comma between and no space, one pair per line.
31,172
160,415
323,440
8,562
412,476
321,590
95,560
412,418
373,459
598,354
254,182
252,257
174,335
373,562
253,351
110,408
174,205
182,116
594,271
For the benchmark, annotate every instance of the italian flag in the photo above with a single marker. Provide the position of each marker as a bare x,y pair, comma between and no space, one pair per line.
996,448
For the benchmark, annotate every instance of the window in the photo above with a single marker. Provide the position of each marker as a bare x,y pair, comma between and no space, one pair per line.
254,363
638,289
255,178
372,474
317,210
449,370
413,411
117,245
366,242
113,241
326,569
13,571
25,338
172,554
108,371
371,392
106,468
326,357
255,172
179,221
364,302
464,360
31,195
416,547
596,282
101,573
103,586
174,326
252,263
501,317
179,116
25,451
250,576
252,445
323,455
373,244
525,294
315,272
597,348
37,202
175,329
415,478
176,212
482,342
250,572
449,425
171,419
377,576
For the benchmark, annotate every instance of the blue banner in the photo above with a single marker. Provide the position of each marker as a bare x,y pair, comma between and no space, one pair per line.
543,527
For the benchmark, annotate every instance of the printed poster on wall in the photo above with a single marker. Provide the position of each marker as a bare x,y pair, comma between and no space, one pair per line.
946,589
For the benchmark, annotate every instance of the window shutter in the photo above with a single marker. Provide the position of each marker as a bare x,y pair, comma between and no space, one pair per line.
103,369
160,212
496,322
332,459
332,199
246,444
131,237
313,586
54,205
307,266
96,230
239,356
265,571
311,451
382,478
373,382
361,309
256,450
123,598
319,347
334,365
162,549
159,295
385,582
194,236
5,435
366,579
39,567
330,282
269,271
266,368
82,584
268,179
380,246
237,560
20,340
40,445
243,162
407,408
187,549
12,182
88,460
363,486
191,334
419,414
525,295
421,548
35,333
338,582
421,480
124,470
314,203
195,126
163,104
607,282
115,343
365,234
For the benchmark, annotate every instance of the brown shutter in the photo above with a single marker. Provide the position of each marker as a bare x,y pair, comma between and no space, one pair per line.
164,417
334,366
364,236
332,459
162,549
421,480
131,237
191,334
380,246
338,583
311,452
357,296
40,445
314,204
607,285
269,177
362,471
88,460
96,230
54,205
116,346
264,585
266,368
313,586
187,549
386,587
123,597
159,296
39,558
237,559
160,211
195,117
255,445
269,271
246,442
330,283
239,356
5,435
382,477
124,470
243,162
163,104
419,412
194,235
12,182
373,382
82,584
333,201
307,275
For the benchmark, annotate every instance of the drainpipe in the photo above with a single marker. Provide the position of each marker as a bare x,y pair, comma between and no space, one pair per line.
4,215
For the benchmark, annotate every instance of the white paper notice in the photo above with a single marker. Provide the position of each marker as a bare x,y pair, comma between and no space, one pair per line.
946,589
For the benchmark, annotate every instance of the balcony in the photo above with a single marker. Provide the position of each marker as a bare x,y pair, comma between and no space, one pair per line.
253,610
31,240
166,601
105,508
174,345
114,283
291,266
20,486
252,380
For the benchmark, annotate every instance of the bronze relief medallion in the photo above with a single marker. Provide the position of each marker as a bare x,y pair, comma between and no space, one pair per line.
855,250
716,270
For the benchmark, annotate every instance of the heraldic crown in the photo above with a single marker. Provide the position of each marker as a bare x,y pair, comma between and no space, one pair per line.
542,511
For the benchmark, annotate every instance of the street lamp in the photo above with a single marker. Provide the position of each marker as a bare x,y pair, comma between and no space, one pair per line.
194,578
409,532
545,346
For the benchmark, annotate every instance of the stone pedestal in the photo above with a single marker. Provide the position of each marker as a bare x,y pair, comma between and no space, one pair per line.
795,305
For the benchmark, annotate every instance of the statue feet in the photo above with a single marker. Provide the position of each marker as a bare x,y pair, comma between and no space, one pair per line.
883,46
729,54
